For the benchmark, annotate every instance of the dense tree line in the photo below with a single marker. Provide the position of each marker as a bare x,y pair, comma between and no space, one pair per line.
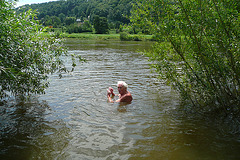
69,12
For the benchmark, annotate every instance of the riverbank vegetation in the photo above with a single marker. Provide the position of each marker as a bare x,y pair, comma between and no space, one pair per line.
123,36
197,51
81,19
26,56
78,16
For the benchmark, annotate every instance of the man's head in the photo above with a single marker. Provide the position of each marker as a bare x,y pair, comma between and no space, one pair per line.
122,87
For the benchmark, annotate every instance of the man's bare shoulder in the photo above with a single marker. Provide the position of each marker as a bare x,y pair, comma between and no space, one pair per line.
126,98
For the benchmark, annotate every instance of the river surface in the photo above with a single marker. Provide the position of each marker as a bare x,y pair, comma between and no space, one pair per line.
74,120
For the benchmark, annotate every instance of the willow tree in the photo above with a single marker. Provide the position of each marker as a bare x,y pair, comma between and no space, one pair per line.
26,56
197,50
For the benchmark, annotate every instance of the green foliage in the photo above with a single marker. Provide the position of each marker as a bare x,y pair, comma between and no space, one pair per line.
26,57
86,26
70,20
100,25
114,10
79,28
200,56
90,36
124,36
52,21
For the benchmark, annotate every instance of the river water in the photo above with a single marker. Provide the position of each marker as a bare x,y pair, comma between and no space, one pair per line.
74,120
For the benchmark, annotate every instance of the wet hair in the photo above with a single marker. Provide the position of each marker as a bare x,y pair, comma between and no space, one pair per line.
123,83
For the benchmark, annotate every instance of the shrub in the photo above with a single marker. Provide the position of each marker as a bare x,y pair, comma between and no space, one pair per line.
26,56
200,56
124,36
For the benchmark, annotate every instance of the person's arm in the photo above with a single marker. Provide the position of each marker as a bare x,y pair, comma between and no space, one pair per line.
125,98
110,92
110,99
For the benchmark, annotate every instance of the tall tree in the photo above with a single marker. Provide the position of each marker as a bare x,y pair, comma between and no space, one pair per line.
70,20
100,25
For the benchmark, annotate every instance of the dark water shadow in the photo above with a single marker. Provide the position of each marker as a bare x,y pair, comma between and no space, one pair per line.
185,135
26,134
123,106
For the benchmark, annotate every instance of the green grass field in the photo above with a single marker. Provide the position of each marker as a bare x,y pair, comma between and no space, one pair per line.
91,36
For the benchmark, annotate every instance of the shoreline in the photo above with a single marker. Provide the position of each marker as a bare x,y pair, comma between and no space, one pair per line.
107,37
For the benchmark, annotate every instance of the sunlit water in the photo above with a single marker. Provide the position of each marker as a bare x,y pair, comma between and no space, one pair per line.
73,120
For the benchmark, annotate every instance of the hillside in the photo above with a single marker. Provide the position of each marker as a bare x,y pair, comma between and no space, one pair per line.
59,13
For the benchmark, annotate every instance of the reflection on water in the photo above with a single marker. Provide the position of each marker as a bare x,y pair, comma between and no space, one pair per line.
25,133
75,121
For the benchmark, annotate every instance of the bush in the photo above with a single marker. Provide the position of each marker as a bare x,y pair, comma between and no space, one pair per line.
79,28
200,55
136,38
26,56
100,25
124,36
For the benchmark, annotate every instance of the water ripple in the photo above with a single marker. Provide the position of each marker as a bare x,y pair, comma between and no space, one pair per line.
75,121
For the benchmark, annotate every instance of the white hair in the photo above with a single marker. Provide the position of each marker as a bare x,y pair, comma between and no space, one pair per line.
123,83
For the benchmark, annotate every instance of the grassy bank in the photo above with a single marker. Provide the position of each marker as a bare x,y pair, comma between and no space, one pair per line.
91,36
111,36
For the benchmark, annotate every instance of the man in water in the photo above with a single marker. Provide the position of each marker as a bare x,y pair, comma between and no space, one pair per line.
124,95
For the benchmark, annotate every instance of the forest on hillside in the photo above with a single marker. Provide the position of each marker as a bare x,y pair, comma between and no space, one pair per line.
71,13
